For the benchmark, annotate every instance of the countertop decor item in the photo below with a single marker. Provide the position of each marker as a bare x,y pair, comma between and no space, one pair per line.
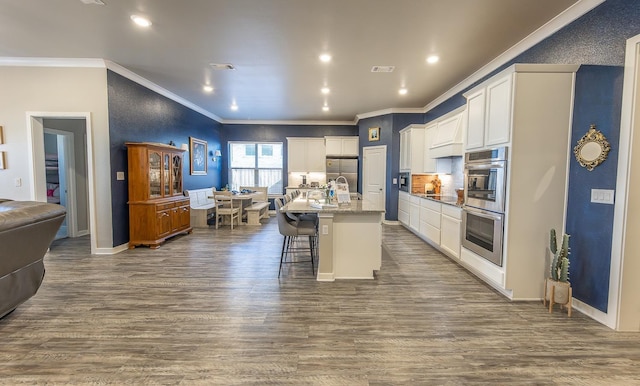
557,288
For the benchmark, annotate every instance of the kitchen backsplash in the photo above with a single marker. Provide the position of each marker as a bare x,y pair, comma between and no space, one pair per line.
449,182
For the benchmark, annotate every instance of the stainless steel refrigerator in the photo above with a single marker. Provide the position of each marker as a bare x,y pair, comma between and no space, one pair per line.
346,167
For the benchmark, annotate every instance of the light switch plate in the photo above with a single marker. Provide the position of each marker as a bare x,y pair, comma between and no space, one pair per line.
325,229
602,196
120,176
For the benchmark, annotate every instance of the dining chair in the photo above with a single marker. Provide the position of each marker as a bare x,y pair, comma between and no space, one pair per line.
224,207
291,229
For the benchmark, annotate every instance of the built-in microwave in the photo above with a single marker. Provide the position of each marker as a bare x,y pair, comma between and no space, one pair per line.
485,179
404,179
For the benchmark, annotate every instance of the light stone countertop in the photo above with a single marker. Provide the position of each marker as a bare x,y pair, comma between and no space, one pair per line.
449,200
302,205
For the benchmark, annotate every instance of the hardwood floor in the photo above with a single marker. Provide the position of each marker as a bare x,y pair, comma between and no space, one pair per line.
208,308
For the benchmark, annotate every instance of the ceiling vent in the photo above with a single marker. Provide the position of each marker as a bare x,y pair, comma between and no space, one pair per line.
222,66
96,2
382,68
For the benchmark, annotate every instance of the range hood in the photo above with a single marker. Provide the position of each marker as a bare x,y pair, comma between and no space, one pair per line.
447,141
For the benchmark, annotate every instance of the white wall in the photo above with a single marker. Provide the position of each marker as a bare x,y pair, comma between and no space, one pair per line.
50,91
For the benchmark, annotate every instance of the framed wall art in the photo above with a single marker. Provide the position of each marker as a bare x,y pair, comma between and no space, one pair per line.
198,156
374,134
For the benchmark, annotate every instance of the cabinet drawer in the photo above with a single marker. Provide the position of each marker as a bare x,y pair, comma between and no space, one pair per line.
164,206
435,206
430,217
452,211
414,199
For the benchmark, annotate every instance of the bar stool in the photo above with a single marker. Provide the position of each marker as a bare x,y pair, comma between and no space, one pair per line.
291,229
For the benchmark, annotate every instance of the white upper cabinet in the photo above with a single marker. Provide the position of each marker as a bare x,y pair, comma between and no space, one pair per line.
489,114
447,140
412,149
342,146
306,155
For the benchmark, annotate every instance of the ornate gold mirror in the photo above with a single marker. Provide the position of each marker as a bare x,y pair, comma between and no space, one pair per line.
592,149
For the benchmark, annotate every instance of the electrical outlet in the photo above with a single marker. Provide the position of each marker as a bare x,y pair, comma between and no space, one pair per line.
120,176
325,229
18,182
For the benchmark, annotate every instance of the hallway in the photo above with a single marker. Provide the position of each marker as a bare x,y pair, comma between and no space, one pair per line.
208,308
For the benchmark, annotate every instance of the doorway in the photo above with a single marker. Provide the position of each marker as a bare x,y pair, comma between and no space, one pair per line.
374,172
60,160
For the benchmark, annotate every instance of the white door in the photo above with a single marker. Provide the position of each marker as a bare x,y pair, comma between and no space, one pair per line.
374,172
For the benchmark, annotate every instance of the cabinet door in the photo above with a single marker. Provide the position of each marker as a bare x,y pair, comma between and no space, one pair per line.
176,174
155,177
430,164
450,235
475,120
414,216
498,110
351,146
296,155
416,144
404,151
163,222
403,208
333,146
316,156
166,174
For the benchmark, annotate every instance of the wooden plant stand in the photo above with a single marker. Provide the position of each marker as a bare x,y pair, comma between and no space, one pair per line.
563,298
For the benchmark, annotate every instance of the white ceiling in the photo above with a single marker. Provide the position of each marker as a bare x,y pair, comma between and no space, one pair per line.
275,44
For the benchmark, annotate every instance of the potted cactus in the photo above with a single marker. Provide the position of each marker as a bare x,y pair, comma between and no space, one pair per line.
557,288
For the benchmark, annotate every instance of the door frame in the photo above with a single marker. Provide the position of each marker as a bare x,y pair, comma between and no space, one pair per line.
69,166
35,137
365,150
628,122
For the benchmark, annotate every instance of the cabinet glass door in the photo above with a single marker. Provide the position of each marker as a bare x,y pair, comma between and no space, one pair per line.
177,174
166,177
154,174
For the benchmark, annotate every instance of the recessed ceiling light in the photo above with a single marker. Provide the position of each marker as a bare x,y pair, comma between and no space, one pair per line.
433,59
403,91
207,88
141,21
234,107
325,90
325,58
325,108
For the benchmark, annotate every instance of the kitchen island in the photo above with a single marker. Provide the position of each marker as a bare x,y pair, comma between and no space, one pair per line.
349,238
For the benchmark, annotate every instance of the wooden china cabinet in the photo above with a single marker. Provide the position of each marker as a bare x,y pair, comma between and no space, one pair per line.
157,207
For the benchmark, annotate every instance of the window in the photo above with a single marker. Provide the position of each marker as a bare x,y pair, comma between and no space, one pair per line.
256,164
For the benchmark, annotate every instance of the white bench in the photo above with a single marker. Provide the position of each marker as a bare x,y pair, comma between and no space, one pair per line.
203,208
256,212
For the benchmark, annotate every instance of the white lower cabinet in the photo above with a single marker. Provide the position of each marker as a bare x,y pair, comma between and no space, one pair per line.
403,208
414,213
430,220
450,227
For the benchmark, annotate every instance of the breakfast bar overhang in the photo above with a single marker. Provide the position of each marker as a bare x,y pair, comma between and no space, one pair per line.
350,238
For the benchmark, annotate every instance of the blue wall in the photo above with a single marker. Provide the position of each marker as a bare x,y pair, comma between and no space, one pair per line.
137,114
279,133
598,101
597,38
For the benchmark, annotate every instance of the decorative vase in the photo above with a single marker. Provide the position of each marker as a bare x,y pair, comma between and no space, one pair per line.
557,292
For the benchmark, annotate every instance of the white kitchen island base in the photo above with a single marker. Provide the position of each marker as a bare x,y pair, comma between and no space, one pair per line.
350,239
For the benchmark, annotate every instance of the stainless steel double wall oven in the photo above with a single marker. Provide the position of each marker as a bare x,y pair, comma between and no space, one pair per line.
485,178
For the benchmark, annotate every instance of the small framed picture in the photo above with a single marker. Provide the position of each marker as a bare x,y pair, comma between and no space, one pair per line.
374,134
198,153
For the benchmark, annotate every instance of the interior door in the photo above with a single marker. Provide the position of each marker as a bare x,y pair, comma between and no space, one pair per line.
374,171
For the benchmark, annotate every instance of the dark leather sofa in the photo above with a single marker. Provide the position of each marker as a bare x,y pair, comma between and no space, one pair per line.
26,231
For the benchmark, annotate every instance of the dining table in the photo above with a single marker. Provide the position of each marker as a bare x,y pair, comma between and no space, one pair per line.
241,201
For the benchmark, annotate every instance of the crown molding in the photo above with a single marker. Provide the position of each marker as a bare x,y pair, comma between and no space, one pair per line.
554,25
389,111
52,62
118,69
301,123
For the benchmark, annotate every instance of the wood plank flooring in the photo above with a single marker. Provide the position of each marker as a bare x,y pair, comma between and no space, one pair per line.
209,309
